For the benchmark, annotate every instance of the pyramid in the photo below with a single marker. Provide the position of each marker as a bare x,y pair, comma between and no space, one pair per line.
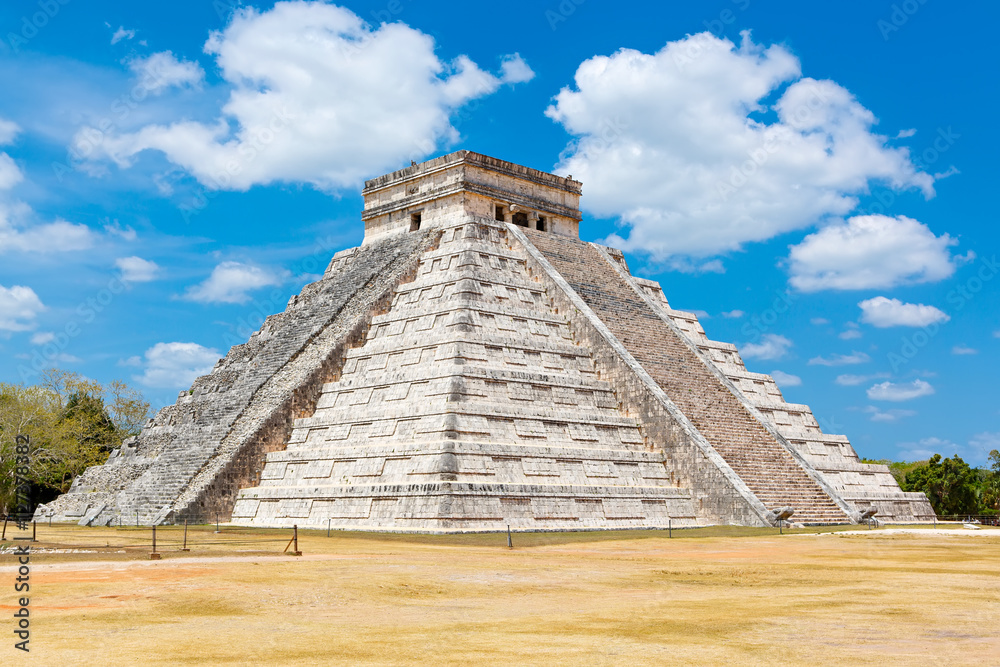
474,365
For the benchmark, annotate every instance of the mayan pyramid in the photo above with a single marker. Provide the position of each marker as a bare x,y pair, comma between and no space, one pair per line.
473,365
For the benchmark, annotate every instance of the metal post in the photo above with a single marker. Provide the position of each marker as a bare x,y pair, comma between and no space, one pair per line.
50,519
34,528
185,547
670,527
510,544
217,523
779,528
137,518
328,526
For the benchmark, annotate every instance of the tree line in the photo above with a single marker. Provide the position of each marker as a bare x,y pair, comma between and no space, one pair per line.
72,423
952,485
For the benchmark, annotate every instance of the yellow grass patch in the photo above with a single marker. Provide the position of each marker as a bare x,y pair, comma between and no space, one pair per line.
709,596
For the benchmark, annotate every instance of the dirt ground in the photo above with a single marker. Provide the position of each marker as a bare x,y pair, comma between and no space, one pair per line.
707,596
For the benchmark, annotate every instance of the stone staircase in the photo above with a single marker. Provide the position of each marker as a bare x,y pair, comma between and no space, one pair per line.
759,458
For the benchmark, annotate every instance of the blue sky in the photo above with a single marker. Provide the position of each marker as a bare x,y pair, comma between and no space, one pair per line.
813,181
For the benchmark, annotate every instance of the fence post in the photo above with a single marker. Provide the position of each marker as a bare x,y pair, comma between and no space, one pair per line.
34,529
154,555
510,544
670,527
185,547
295,541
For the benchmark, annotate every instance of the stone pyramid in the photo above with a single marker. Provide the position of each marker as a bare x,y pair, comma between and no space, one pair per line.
472,366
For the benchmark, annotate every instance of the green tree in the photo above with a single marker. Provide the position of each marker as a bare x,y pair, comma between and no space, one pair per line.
991,483
73,423
951,485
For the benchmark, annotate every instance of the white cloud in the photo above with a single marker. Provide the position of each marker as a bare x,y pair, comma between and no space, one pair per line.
58,236
125,232
42,337
849,334
230,282
318,96
996,334
819,321
163,70
734,314
888,416
849,380
905,134
902,391
963,350
870,252
8,130
10,173
674,145
19,306
882,312
854,357
926,448
137,269
17,234
176,365
786,379
513,69
121,34
771,347
983,443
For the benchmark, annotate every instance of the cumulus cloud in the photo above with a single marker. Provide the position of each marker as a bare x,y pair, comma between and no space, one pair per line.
8,130
786,379
318,96
771,347
926,448
902,391
176,365
10,173
137,269
59,236
680,146
849,380
42,337
121,33
854,357
733,314
984,443
887,416
19,306
870,252
963,350
17,231
163,70
230,282
882,312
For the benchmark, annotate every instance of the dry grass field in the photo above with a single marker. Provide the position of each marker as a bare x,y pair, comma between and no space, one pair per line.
707,596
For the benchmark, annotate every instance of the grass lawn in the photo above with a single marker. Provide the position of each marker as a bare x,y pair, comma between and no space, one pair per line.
706,596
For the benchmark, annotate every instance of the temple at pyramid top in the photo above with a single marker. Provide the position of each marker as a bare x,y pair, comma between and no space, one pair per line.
464,183
475,365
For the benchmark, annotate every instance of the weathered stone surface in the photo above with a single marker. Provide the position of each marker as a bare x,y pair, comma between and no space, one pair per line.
474,365
191,459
